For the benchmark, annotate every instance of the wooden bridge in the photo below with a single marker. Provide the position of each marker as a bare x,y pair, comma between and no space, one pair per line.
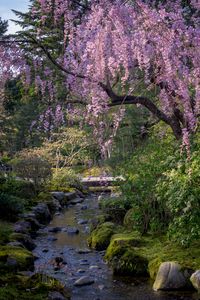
101,181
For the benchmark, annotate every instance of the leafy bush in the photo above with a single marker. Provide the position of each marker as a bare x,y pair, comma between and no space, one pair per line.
142,171
180,189
19,188
33,168
64,178
115,208
10,207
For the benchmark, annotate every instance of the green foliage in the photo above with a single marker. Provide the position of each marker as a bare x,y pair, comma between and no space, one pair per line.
115,207
32,168
142,171
10,207
179,188
64,178
5,231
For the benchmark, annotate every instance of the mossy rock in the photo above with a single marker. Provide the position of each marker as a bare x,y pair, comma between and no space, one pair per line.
15,258
25,239
124,256
98,220
100,237
36,287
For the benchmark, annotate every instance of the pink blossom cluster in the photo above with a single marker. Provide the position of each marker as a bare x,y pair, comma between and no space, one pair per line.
116,42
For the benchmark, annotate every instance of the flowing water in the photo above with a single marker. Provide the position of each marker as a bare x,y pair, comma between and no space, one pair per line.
90,263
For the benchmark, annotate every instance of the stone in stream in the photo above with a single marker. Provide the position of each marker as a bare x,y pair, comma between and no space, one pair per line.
55,296
22,226
55,229
81,271
84,280
60,196
94,267
84,207
83,251
72,230
82,222
52,239
42,213
76,201
45,250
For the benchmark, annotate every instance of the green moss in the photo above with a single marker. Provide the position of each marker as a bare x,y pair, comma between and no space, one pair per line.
36,287
124,257
5,231
130,253
24,259
100,237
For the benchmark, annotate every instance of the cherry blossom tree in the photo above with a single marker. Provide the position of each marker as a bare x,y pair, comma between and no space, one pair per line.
109,47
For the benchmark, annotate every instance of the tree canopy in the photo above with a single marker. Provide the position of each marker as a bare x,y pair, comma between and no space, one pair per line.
105,49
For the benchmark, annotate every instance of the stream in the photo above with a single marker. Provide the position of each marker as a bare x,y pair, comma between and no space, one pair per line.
78,260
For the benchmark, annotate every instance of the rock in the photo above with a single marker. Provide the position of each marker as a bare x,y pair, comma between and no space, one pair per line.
94,267
171,276
72,230
12,263
80,194
81,271
60,196
35,225
52,239
84,207
83,260
55,296
71,195
16,244
55,229
42,213
54,206
84,264
45,250
195,279
15,258
84,280
82,222
24,239
22,226
57,214
76,201
83,251
100,237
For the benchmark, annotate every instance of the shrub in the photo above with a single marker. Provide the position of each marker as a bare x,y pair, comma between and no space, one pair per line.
33,168
10,207
180,189
64,178
115,208
142,171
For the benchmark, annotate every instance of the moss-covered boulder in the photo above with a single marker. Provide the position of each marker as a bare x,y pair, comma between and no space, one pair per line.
25,239
98,220
124,256
100,237
15,258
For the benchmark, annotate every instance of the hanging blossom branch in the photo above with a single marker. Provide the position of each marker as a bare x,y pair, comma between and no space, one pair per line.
115,40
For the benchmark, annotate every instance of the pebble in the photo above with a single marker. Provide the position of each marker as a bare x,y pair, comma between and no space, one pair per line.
84,280
82,222
72,230
83,251
80,271
94,267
